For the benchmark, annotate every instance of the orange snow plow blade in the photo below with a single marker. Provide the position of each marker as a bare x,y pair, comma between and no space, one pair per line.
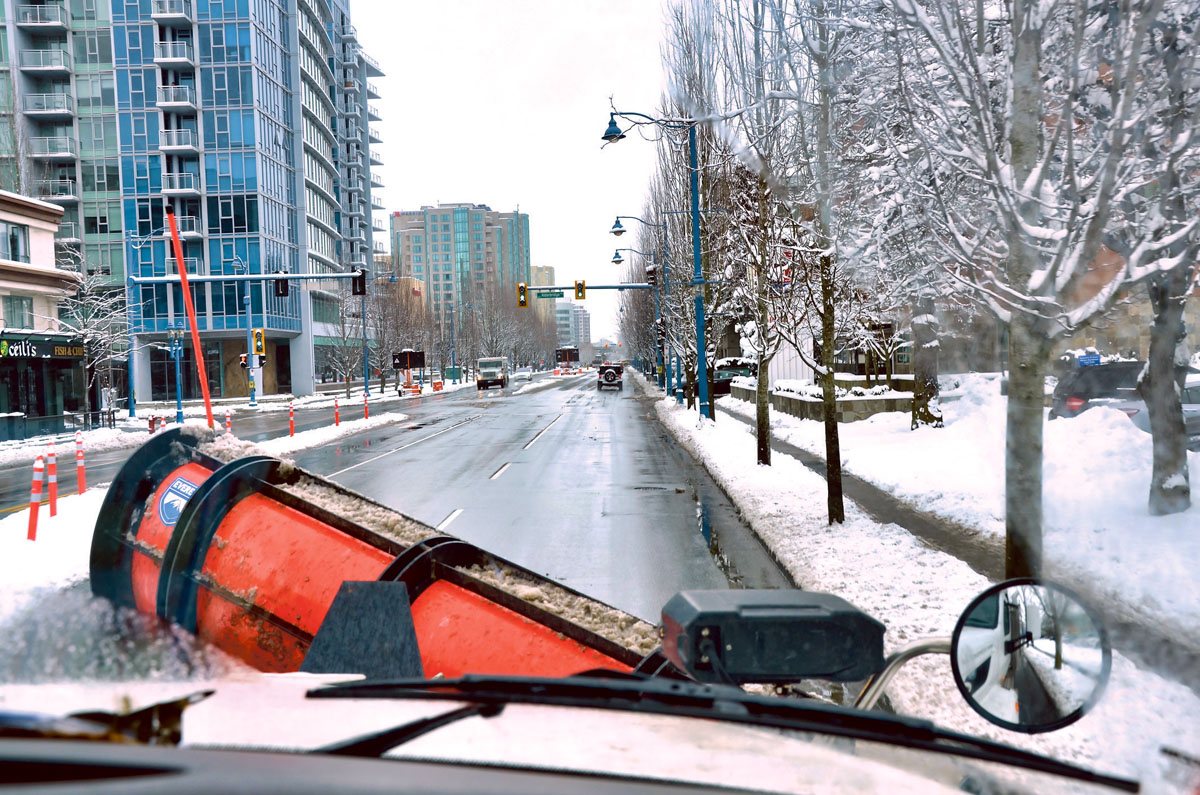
249,554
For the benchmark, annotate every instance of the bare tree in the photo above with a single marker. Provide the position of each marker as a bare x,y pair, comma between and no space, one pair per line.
346,352
97,314
1049,112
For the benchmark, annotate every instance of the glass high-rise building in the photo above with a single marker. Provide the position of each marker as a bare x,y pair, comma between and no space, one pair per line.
462,253
249,120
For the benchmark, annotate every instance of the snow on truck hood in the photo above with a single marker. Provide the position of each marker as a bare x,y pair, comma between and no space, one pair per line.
253,711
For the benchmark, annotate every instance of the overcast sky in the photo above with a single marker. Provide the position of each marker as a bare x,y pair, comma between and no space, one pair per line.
503,102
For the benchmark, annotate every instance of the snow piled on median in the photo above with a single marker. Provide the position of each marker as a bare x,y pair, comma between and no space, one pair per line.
918,592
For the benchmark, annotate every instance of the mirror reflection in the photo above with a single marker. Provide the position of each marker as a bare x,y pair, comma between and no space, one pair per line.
1029,656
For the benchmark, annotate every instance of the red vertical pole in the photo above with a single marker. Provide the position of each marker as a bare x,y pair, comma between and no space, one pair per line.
197,351
336,416
52,479
35,497
366,408
80,470
291,420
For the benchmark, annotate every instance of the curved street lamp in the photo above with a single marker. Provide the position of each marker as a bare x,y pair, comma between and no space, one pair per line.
612,134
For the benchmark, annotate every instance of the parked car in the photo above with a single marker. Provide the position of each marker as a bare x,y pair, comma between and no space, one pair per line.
1115,385
725,373
1101,384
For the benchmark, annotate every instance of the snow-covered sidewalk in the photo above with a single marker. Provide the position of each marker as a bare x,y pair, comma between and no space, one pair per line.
919,592
1099,535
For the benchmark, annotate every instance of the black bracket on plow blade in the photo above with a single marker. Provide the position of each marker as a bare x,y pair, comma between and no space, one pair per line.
368,630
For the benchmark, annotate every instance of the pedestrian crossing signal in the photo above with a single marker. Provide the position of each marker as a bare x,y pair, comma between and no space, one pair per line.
580,290
244,364
281,288
359,283
522,294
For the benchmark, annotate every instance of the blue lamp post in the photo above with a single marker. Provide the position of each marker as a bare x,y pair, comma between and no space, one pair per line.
613,134
176,335
617,260
664,360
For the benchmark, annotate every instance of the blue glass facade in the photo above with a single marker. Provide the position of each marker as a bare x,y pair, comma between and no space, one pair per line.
193,101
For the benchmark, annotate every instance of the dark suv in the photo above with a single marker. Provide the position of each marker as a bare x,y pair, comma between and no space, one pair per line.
610,375
1084,387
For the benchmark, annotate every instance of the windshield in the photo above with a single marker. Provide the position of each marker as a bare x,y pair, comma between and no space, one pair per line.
900,299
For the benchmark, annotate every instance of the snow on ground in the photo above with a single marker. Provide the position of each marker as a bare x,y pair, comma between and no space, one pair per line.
94,441
1099,535
283,445
918,592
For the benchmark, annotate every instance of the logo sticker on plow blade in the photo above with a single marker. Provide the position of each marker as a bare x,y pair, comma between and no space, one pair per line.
170,504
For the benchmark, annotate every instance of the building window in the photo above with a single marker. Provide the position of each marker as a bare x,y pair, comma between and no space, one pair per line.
14,245
18,311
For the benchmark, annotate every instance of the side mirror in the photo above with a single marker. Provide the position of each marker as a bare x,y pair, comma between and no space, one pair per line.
1030,656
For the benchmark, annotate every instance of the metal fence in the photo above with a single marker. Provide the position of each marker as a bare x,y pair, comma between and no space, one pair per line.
20,426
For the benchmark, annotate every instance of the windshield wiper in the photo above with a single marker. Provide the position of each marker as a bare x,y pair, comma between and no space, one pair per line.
720,702
378,743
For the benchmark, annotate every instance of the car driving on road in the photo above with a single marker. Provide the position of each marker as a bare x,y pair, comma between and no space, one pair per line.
523,374
610,375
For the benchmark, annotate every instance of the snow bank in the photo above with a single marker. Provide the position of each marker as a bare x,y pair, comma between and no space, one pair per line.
1099,535
918,592
94,441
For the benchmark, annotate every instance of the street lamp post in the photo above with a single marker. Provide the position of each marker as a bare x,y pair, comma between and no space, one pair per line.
240,264
366,353
176,335
664,357
613,134
617,260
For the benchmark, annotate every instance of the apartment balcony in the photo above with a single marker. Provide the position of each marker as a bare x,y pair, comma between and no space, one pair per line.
373,113
63,191
376,160
189,227
377,202
352,186
173,53
173,13
372,66
351,86
48,63
357,232
356,208
349,55
47,18
373,136
180,184
372,90
194,265
349,32
68,233
54,147
376,180
48,106
176,98
377,225
179,142
352,109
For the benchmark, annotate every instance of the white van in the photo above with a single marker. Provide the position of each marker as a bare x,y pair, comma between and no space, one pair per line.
492,371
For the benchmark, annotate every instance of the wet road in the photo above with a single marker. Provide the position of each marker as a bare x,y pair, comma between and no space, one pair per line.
580,485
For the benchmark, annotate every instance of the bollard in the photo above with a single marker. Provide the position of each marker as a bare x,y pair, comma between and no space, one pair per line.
228,422
366,408
337,420
291,420
153,421
52,479
35,497
80,471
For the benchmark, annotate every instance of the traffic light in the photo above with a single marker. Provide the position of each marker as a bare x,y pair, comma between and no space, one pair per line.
281,288
652,275
522,295
260,341
244,363
580,290
359,283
